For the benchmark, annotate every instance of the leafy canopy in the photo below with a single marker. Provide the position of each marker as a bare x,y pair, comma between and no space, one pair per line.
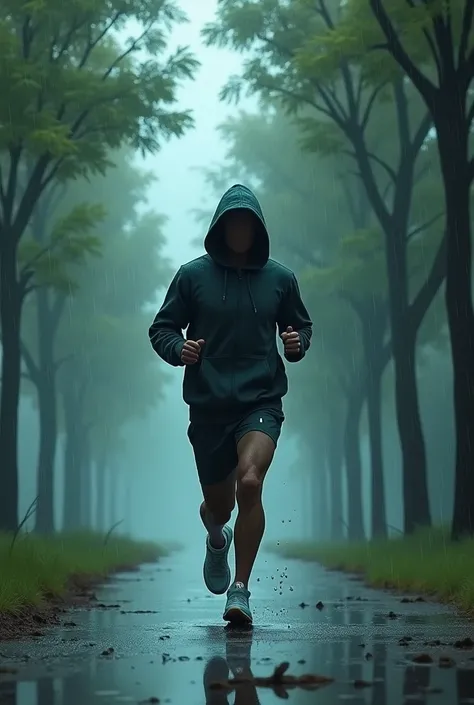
72,90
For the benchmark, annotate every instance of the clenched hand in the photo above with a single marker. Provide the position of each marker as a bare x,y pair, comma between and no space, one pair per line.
191,351
291,342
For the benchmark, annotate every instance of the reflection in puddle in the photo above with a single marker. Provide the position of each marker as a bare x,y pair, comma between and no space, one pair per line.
345,660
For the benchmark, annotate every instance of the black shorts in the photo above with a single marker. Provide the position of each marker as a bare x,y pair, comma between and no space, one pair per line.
215,444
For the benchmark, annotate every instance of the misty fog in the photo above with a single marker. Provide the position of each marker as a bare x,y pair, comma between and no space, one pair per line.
157,488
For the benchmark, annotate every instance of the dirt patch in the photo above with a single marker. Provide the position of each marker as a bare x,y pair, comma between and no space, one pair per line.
32,621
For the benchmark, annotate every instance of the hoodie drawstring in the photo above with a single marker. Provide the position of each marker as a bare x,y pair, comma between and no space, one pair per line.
249,289
224,293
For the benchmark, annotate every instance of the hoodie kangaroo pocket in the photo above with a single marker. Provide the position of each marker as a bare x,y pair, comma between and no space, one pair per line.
253,379
211,382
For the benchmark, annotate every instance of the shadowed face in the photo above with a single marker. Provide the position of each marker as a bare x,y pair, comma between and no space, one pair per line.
239,230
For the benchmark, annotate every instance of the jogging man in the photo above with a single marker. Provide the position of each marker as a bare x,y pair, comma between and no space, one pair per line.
230,302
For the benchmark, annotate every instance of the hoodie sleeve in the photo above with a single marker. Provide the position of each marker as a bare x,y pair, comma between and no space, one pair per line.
166,331
293,313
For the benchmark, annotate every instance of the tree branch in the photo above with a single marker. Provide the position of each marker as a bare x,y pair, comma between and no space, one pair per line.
129,50
471,170
466,25
30,196
426,123
31,366
470,114
62,360
381,162
430,288
430,41
419,229
396,49
370,103
92,43
57,309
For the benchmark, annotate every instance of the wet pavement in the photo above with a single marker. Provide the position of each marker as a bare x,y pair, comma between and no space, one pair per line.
164,642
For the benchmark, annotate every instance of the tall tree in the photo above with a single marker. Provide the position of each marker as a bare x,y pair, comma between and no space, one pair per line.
296,55
60,241
54,251
444,81
70,93
109,377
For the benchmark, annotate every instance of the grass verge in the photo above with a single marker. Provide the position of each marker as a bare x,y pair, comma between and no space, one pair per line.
427,563
35,569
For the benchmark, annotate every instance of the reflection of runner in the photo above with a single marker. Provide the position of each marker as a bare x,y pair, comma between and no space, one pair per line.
216,671
230,302
238,661
239,657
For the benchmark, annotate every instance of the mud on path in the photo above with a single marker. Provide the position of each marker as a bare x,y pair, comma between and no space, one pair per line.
156,636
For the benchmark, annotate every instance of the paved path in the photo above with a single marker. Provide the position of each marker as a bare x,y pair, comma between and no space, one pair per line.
174,651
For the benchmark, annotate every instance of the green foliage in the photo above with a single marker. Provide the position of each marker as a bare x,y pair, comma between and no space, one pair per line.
71,92
424,563
69,245
99,303
38,568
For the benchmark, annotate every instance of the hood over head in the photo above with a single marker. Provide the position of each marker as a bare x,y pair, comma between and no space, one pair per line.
238,197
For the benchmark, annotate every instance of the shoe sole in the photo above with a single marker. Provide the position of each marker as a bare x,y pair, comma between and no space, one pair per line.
236,616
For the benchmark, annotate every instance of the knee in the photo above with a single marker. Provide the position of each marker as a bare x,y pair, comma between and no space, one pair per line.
220,514
249,486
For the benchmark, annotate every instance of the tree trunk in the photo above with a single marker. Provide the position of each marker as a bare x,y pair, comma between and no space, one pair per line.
414,474
101,483
47,405
374,415
321,501
112,503
335,457
453,147
353,461
374,323
86,482
10,322
72,464
45,691
395,224
9,692
415,486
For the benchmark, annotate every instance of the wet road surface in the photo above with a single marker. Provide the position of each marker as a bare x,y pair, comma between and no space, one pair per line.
164,642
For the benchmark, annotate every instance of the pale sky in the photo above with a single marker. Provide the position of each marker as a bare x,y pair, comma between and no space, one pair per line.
180,189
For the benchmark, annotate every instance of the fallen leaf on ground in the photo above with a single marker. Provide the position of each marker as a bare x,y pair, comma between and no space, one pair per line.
362,684
277,680
466,643
422,658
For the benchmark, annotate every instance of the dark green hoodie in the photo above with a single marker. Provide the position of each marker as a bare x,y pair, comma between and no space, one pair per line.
236,312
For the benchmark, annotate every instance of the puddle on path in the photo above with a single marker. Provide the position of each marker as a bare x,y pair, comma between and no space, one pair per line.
167,644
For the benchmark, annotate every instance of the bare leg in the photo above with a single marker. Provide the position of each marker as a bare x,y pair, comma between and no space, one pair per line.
216,509
255,451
